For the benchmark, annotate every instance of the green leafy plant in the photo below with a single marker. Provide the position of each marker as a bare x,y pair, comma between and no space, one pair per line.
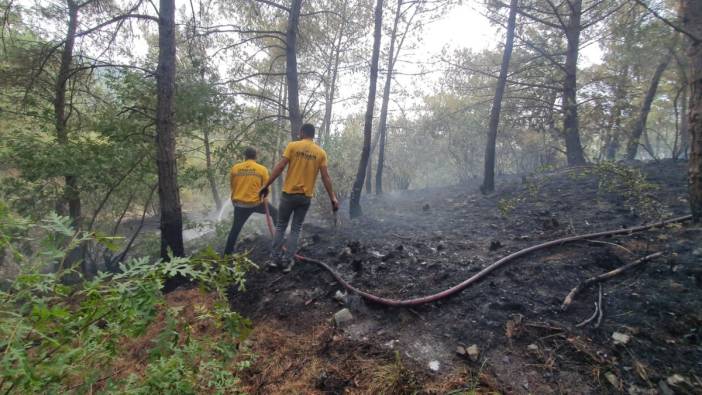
57,337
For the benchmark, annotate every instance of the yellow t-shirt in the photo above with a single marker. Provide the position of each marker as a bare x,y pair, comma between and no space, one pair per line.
247,178
305,158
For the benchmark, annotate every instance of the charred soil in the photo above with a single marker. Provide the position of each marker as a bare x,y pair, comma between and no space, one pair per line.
415,243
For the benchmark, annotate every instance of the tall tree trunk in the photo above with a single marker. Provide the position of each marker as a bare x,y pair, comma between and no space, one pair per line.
691,15
71,194
489,177
612,144
279,140
169,198
208,166
291,69
640,126
369,169
684,126
333,73
574,149
355,203
382,122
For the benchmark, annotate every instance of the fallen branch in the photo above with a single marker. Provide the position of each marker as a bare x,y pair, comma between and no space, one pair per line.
601,313
611,244
602,277
592,317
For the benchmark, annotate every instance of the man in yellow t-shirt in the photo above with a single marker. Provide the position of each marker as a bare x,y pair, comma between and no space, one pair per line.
304,160
246,179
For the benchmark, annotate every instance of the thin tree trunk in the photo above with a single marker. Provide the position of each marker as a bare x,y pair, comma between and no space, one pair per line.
331,91
369,169
489,176
275,192
640,126
355,201
208,166
612,144
691,15
382,122
675,152
71,194
291,69
574,149
169,198
685,125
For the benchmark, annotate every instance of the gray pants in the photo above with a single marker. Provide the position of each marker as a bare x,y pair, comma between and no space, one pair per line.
295,206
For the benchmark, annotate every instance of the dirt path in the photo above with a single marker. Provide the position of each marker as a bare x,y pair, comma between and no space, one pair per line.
420,242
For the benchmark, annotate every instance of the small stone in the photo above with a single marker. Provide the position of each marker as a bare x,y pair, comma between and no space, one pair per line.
375,254
665,390
473,352
434,366
413,260
620,339
612,379
426,207
440,247
461,351
345,253
495,245
636,390
533,347
676,287
343,317
341,297
676,380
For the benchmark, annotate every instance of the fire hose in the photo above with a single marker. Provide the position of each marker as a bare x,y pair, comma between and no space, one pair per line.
477,276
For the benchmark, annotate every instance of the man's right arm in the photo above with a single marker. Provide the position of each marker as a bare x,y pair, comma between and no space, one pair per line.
277,171
326,180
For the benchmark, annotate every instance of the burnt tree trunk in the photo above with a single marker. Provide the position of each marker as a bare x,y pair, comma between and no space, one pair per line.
291,69
169,198
488,185
71,194
383,121
574,149
369,169
691,15
355,203
640,126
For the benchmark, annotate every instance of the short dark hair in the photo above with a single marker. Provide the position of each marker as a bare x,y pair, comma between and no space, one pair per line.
250,153
307,130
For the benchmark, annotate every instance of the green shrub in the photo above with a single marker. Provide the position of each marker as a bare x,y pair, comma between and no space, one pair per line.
57,337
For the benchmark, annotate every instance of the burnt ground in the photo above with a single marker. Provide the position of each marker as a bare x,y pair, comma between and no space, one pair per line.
415,243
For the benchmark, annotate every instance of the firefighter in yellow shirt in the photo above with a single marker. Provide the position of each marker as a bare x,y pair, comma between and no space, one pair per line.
246,180
304,160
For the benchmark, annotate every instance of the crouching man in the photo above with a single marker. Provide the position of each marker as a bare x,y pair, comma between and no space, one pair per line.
246,180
